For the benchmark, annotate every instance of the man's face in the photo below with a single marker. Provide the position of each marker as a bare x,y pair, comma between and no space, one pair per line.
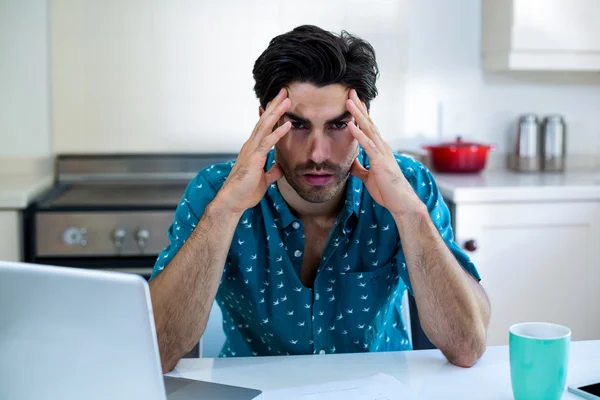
317,153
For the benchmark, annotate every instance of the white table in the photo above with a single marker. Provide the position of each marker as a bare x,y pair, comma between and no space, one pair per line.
427,373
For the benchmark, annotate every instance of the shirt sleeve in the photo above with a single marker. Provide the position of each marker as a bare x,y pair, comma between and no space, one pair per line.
198,194
427,189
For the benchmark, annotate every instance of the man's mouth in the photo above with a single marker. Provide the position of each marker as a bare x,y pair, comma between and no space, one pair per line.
318,179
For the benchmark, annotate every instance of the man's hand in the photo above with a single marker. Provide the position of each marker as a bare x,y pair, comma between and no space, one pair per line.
247,182
453,307
384,180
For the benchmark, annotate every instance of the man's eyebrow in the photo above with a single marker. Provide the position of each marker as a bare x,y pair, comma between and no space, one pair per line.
296,118
345,115
305,121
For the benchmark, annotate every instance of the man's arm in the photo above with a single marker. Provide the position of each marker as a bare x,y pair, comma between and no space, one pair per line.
183,294
453,308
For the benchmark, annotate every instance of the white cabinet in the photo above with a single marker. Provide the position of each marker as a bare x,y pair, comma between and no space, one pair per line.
214,337
10,236
541,35
538,262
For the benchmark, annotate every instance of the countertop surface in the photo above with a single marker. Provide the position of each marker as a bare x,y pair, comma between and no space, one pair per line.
507,186
23,179
426,373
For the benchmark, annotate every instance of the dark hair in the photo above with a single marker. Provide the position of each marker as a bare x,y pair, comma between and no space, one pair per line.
312,55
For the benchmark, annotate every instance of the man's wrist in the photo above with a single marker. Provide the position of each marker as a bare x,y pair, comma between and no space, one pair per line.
412,212
222,206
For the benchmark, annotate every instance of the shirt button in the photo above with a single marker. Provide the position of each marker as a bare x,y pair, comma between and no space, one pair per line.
322,351
297,253
296,225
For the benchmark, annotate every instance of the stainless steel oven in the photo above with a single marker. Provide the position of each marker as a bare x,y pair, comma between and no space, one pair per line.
110,212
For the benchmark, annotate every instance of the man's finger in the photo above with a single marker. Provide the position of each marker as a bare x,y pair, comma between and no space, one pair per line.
367,144
276,100
273,174
359,171
365,125
354,97
273,104
272,139
268,121
363,108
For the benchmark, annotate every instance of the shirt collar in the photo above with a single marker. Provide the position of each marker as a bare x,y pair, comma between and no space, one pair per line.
355,188
353,200
282,213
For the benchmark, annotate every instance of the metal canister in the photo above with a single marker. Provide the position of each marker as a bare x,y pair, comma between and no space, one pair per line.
526,155
554,143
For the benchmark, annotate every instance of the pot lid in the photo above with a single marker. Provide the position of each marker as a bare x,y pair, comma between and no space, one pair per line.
459,142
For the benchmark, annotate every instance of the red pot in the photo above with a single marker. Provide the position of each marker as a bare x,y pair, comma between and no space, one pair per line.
459,156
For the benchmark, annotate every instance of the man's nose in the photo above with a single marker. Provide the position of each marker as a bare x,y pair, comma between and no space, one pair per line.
320,150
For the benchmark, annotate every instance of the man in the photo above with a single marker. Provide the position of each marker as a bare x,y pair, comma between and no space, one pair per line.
310,247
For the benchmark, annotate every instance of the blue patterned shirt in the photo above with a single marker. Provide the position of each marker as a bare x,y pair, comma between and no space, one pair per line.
356,302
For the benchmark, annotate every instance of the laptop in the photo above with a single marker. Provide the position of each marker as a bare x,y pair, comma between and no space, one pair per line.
70,333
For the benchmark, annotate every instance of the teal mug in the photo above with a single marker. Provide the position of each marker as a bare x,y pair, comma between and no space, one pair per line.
539,356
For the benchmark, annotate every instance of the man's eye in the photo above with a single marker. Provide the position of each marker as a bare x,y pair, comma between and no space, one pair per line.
339,125
297,125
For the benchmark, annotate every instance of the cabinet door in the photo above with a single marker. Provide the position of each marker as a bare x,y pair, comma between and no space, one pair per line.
538,262
10,236
213,338
556,25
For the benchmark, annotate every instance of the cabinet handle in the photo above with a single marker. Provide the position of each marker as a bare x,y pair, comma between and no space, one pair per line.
471,245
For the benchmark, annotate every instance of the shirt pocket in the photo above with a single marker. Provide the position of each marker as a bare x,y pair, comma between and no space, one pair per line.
364,300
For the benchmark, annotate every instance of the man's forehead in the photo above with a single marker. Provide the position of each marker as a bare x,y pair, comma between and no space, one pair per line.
312,102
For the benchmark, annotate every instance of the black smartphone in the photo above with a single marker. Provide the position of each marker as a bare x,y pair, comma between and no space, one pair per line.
589,391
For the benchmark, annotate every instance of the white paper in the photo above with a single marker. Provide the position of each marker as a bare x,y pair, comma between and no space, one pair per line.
174,373
376,387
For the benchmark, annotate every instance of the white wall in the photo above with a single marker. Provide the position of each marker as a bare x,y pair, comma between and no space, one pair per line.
150,76
444,67
156,76
24,82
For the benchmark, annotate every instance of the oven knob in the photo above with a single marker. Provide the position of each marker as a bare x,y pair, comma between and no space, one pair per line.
73,236
142,236
118,235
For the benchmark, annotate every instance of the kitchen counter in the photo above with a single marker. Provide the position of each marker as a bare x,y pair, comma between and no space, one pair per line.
23,179
507,186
